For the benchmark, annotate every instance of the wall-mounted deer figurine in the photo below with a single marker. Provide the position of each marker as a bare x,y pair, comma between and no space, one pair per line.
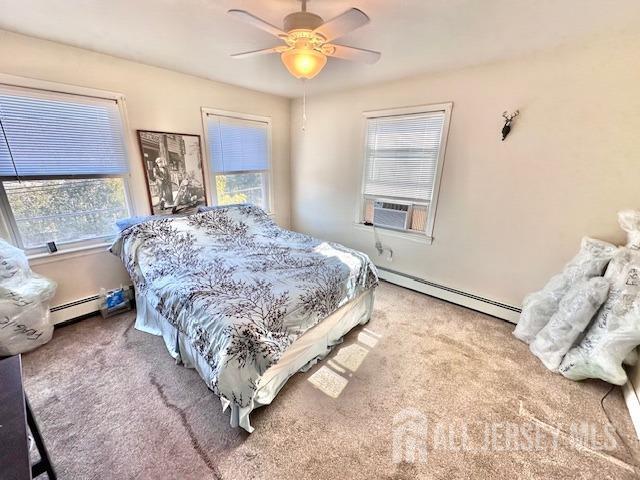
508,118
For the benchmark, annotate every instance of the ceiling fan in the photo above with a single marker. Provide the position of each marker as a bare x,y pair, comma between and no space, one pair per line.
307,39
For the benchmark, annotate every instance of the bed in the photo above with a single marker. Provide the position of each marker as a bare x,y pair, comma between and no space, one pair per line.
244,302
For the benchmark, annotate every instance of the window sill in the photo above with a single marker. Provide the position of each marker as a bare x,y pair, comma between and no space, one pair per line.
414,237
41,258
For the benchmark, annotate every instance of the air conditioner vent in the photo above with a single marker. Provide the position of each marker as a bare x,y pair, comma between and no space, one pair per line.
391,215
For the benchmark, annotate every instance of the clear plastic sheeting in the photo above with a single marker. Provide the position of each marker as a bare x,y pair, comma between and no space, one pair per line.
539,307
575,311
629,221
632,358
615,331
24,303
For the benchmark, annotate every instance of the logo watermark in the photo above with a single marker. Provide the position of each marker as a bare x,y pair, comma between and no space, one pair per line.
414,436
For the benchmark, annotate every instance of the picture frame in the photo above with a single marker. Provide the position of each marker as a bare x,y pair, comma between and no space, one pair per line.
174,174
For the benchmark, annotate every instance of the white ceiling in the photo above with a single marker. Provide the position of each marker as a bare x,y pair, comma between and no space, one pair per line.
414,36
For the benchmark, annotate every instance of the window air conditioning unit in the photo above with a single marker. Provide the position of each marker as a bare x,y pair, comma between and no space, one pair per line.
392,215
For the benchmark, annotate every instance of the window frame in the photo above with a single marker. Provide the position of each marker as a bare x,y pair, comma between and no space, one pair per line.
8,226
432,204
212,174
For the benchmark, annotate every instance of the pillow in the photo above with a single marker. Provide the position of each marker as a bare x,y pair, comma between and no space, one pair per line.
128,222
204,208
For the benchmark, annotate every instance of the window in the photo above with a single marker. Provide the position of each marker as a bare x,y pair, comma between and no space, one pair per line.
63,164
404,152
239,157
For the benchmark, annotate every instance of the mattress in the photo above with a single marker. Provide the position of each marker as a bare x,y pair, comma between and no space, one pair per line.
303,353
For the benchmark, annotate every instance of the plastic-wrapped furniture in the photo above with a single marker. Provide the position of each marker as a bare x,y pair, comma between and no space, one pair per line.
615,331
574,314
629,221
539,307
24,303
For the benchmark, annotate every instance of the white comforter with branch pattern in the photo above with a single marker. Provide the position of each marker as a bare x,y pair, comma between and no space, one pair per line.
239,287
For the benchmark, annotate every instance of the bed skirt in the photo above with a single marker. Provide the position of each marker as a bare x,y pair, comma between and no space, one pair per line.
306,351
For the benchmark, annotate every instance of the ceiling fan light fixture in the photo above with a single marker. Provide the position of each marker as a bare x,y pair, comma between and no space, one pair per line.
307,38
303,63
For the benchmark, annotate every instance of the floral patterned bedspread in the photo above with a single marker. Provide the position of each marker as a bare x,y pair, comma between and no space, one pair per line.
239,287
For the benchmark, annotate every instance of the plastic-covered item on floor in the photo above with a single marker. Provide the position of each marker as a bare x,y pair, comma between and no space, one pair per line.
575,311
24,303
632,358
14,266
539,307
615,332
629,221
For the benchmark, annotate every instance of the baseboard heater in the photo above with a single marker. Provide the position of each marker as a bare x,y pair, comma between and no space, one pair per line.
73,310
503,311
90,305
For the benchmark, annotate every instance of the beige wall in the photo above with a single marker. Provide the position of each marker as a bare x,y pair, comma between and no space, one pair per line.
156,99
509,214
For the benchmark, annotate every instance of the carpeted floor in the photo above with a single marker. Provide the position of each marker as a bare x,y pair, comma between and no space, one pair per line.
113,405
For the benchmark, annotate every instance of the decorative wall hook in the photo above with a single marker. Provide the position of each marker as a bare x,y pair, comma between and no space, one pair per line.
508,118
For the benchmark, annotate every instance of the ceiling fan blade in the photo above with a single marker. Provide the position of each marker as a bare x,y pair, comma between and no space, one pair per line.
351,53
257,22
278,49
342,24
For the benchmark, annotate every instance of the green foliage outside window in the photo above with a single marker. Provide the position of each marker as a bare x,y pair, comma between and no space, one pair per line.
79,209
66,210
224,196
241,188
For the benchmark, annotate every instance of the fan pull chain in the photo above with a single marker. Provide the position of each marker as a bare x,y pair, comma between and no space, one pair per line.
304,105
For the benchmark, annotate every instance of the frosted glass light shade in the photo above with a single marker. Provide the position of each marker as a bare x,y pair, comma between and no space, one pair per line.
303,62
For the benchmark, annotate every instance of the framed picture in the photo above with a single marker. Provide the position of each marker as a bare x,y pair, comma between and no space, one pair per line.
173,171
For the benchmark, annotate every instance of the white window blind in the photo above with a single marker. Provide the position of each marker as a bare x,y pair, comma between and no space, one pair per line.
237,145
402,154
239,152
54,135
